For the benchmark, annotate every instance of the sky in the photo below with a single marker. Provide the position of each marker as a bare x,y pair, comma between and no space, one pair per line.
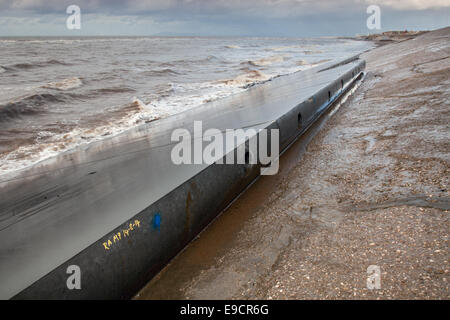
273,18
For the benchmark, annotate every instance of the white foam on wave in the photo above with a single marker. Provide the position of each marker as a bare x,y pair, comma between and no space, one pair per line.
65,84
250,77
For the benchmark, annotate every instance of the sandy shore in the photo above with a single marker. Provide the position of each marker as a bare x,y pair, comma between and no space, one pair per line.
371,188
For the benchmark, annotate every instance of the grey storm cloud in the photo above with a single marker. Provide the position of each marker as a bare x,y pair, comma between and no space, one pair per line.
250,7
219,17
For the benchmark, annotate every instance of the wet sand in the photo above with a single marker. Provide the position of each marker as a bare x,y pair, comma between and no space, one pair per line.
365,186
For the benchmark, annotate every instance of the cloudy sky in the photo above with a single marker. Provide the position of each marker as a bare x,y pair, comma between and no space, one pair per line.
291,18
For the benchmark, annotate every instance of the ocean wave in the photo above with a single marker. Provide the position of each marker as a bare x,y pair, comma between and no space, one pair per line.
165,64
181,97
27,106
65,84
2,69
232,47
267,61
32,65
161,72
24,66
37,102
111,90
210,58
251,77
54,62
148,112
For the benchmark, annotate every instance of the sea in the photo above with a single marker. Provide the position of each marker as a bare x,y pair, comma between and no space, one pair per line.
57,94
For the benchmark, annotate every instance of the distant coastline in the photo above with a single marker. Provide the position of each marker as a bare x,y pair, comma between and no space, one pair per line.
386,37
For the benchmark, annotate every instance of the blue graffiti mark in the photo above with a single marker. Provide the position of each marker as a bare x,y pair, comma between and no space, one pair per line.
156,221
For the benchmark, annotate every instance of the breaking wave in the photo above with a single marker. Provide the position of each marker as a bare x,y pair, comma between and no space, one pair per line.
27,106
250,78
32,65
